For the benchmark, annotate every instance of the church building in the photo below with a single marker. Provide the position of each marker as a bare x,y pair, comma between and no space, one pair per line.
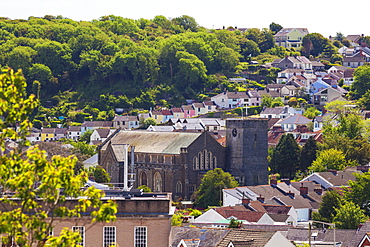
176,161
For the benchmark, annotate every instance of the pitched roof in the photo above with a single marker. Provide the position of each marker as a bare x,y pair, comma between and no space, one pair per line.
253,237
125,118
240,213
95,124
279,217
60,131
296,119
187,107
198,105
358,236
176,109
208,237
237,95
209,102
103,133
325,236
318,86
338,178
286,31
48,131
74,128
155,142
275,110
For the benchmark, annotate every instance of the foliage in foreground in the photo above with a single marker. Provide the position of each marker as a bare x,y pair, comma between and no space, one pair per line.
210,189
35,187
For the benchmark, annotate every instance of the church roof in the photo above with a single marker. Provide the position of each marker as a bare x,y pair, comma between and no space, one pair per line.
155,142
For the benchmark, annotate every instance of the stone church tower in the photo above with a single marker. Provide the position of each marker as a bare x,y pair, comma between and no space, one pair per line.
247,145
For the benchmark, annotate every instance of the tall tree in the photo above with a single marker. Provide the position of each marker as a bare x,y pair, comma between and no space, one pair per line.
349,216
361,82
330,201
285,159
274,27
308,154
328,159
187,22
314,44
210,190
37,182
358,191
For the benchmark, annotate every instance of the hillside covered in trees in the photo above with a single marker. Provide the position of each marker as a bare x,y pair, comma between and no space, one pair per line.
137,61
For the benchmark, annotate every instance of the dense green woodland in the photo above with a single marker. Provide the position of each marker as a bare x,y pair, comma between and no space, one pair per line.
142,61
83,70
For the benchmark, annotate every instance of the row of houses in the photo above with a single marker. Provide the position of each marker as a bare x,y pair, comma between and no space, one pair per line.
280,207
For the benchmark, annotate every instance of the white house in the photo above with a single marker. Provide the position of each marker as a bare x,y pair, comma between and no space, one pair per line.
292,122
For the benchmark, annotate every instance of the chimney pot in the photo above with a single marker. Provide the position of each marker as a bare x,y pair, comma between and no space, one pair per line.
246,200
303,191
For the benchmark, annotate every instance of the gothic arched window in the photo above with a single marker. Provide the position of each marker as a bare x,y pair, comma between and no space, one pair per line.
157,182
144,179
178,187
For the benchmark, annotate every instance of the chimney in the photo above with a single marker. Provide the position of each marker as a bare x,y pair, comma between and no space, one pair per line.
286,180
246,201
260,198
335,172
303,190
318,189
273,180
291,194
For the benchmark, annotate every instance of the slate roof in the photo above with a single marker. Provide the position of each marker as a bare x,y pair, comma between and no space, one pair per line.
326,235
253,238
207,237
176,109
94,124
358,236
271,122
340,179
286,31
48,131
291,71
276,110
275,86
74,128
254,94
198,105
187,107
161,128
279,217
155,142
209,102
60,131
277,195
103,133
276,209
125,118
297,119
237,95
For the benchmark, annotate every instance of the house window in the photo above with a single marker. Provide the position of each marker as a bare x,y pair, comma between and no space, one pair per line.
81,231
123,122
222,100
140,236
215,128
109,236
